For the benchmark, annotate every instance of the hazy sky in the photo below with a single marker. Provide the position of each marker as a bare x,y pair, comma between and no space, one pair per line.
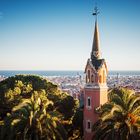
58,34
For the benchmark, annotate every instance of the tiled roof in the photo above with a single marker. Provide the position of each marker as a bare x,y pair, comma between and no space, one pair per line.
97,63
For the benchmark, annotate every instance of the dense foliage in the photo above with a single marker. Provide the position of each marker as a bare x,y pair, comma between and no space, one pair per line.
119,117
32,108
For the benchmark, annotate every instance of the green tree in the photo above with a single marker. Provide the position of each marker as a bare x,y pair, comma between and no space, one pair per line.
14,89
29,97
33,119
119,117
77,125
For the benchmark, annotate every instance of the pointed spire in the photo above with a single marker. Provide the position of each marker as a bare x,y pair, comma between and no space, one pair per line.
95,53
96,46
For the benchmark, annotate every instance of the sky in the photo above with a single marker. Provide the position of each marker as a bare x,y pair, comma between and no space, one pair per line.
58,34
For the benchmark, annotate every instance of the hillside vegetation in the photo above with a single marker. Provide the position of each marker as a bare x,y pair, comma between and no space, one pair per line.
32,108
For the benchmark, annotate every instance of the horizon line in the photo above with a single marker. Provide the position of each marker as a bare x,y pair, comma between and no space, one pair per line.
57,70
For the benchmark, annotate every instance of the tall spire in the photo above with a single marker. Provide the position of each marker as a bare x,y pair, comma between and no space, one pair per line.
95,53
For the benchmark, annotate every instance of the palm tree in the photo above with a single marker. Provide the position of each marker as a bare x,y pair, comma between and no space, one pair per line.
33,119
119,117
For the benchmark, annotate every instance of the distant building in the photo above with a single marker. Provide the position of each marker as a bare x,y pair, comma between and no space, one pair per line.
95,90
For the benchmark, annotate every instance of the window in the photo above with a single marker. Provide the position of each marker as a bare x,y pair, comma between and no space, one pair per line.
100,79
88,125
88,76
92,78
89,102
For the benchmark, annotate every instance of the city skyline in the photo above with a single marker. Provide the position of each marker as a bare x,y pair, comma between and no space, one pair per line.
52,35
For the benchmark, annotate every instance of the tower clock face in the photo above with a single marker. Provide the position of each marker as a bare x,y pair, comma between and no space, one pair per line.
96,54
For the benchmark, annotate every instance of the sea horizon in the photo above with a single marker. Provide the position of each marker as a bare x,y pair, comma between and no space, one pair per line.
8,73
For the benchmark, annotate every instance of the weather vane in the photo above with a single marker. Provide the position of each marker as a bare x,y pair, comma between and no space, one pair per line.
96,12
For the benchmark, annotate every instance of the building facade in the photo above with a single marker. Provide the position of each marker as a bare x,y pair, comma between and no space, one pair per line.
95,90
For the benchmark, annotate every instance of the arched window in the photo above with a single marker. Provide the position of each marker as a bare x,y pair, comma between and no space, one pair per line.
100,79
88,76
92,78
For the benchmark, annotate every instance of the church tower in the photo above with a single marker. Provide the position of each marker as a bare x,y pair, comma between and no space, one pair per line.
95,90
